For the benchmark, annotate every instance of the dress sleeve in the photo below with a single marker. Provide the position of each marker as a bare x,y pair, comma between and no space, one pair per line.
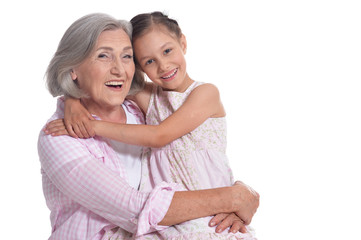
84,178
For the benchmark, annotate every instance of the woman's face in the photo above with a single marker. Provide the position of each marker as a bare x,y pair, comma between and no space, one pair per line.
161,56
106,75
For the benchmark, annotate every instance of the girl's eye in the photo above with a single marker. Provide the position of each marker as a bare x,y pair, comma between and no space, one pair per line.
167,51
149,61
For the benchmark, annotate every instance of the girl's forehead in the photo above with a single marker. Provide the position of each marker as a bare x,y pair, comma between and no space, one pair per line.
158,29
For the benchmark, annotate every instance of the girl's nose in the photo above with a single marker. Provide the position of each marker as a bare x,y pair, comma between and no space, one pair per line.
163,65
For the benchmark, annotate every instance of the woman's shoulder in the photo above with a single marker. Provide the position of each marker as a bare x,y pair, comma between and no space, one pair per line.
132,108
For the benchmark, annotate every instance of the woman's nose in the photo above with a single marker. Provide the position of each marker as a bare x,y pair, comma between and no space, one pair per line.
117,67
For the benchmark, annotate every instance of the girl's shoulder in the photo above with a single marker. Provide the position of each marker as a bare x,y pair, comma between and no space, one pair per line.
207,89
207,96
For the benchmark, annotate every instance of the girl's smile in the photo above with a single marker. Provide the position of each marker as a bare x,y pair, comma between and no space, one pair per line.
170,75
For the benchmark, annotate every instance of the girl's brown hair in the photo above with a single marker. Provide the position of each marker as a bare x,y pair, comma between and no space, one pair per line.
142,23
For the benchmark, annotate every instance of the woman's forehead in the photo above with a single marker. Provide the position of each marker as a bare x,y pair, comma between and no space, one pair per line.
113,38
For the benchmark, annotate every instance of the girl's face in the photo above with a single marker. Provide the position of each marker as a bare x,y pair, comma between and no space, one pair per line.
107,73
160,55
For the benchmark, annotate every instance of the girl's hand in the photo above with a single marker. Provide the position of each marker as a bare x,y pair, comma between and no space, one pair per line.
225,220
77,119
56,128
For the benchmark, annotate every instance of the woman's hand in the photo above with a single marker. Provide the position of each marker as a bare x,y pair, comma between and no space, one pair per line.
225,220
77,119
245,201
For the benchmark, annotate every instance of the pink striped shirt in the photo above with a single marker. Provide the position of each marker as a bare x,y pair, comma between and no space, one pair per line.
86,191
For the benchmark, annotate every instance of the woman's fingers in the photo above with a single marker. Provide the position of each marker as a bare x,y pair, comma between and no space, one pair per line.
228,220
217,219
238,226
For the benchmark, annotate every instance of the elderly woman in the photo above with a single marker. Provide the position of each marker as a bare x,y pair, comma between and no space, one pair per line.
90,184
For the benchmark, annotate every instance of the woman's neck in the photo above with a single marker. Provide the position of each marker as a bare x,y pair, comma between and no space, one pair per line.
106,113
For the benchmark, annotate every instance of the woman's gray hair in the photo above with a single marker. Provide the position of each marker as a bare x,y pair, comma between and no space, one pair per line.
75,46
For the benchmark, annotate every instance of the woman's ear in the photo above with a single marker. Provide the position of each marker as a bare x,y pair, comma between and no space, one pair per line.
183,42
73,75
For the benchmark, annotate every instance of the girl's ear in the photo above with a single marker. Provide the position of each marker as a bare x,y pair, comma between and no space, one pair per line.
183,42
73,75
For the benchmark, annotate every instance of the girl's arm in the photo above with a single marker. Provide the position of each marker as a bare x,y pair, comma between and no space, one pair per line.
142,98
203,103
77,118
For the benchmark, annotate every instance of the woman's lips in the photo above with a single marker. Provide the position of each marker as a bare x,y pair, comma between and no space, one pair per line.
114,84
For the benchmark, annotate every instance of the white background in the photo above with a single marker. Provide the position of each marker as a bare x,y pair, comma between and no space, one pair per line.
289,76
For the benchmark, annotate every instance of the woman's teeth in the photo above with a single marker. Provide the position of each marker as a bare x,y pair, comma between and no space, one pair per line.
171,75
114,84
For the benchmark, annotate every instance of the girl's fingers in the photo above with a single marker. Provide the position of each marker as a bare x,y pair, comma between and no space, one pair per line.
53,127
70,129
89,129
60,132
56,123
90,117
77,130
83,130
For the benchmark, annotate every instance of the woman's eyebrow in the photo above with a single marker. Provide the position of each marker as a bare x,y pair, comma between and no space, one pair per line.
111,49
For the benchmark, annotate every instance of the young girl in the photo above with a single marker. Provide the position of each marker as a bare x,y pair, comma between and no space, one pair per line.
186,126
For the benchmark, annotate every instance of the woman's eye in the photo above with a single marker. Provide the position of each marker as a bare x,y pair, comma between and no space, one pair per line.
128,56
103,55
167,51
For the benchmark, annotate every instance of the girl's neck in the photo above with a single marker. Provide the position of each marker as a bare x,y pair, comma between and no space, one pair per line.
107,113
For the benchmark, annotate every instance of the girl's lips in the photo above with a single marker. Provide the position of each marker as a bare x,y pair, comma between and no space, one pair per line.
169,75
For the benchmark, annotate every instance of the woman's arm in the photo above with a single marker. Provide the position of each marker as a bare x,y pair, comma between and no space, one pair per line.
187,205
86,180
204,102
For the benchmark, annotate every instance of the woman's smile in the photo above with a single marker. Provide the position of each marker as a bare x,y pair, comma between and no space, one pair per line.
114,84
